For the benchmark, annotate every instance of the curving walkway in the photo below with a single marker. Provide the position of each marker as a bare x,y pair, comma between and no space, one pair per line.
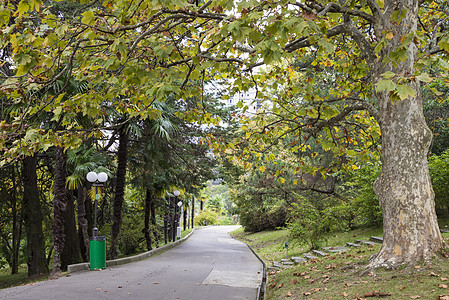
209,265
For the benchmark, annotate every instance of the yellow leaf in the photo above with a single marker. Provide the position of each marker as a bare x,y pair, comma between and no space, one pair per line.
389,35
262,169
355,167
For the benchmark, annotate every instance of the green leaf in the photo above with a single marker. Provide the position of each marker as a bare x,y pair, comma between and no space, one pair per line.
385,84
424,77
22,8
388,75
405,91
88,17
444,43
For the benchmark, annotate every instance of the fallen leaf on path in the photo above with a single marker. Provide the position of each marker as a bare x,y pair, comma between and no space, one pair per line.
119,286
98,289
156,282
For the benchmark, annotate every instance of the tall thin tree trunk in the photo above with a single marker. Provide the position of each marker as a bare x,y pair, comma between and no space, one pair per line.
146,229
32,216
59,208
166,228
173,215
122,156
82,221
185,219
154,224
193,211
71,253
17,225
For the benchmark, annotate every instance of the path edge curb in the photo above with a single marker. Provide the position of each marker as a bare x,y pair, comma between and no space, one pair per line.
121,261
262,287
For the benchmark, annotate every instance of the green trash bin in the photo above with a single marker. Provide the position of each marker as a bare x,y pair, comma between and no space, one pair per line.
97,252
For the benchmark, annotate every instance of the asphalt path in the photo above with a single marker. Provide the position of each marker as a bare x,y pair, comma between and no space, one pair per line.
209,265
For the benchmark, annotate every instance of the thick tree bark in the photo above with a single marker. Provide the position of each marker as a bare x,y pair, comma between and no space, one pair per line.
122,156
59,208
32,216
71,251
82,221
411,231
146,229
193,211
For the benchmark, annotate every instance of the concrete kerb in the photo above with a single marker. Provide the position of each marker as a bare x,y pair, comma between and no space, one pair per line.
126,260
262,287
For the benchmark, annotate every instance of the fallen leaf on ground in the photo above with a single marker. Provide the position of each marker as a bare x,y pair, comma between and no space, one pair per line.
415,297
289,294
294,281
434,274
344,294
417,267
280,285
443,278
443,297
376,294
443,286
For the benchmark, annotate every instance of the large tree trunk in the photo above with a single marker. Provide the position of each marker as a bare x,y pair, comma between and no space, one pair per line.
32,216
71,251
146,229
122,156
411,231
82,221
59,208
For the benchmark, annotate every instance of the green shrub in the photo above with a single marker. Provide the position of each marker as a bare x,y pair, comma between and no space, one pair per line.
259,219
439,174
310,226
206,217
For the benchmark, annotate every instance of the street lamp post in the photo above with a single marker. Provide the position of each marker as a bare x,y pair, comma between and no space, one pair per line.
96,180
97,246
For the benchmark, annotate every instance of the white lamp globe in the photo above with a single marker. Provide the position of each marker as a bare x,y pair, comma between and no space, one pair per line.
179,203
102,177
176,193
91,176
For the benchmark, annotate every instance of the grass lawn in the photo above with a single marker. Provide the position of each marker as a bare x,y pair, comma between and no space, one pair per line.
338,276
7,280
